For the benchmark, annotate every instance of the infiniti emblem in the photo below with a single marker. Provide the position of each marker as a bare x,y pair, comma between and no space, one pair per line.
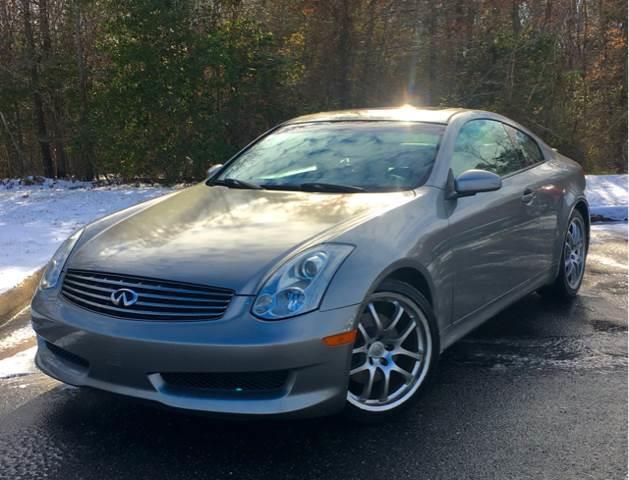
124,297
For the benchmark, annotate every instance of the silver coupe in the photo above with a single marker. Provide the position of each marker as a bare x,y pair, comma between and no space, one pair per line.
322,269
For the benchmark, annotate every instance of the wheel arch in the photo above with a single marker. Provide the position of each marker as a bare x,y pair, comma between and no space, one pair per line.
413,274
415,278
583,208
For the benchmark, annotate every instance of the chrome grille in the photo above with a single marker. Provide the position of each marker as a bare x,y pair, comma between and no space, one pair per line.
157,299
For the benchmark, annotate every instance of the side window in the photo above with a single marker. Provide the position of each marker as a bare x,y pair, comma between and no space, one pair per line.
485,145
529,149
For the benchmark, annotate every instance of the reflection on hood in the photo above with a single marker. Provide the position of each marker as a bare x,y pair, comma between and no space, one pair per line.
225,237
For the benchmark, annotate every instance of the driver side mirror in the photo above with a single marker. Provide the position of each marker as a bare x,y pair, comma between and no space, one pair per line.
213,169
474,181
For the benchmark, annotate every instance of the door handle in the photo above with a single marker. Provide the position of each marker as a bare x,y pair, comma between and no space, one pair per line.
528,196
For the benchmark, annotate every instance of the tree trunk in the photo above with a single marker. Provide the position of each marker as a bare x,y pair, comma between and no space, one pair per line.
432,55
16,170
20,138
344,48
85,143
548,13
367,60
38,107
57,103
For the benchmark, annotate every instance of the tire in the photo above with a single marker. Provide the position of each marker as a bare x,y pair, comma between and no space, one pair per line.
397,339
574,248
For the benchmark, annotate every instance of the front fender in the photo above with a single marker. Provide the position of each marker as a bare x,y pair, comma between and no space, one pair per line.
414,235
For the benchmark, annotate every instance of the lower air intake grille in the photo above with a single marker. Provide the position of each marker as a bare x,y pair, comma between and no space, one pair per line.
232,382
142,298
67,356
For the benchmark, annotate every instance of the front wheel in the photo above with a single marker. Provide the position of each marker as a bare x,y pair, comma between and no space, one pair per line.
395,352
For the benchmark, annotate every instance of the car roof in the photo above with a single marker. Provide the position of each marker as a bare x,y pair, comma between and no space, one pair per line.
406,113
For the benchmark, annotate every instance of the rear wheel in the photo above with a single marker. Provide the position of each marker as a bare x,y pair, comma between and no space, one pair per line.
395,352
573,258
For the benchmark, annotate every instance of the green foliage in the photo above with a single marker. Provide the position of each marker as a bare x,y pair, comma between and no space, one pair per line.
175,98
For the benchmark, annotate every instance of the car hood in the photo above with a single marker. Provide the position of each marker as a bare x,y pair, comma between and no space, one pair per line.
223,237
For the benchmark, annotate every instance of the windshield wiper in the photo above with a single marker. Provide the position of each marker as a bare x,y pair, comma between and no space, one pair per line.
235,183
329,187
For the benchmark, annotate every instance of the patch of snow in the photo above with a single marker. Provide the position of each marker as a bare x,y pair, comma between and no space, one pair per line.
608,197
607,262
16,337
603,232
35,219
22,363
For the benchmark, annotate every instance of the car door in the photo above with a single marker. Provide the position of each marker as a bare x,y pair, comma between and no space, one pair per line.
542,193
487,246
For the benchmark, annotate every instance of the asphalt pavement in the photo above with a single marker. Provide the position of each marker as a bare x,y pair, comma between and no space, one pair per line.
539,392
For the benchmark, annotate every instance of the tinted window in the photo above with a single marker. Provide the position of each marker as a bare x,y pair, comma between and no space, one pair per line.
375,156
529,149
485,145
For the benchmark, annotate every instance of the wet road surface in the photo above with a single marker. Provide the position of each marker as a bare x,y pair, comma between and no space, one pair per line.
539,392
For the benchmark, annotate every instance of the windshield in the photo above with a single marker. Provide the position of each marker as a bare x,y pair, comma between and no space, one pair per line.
356,156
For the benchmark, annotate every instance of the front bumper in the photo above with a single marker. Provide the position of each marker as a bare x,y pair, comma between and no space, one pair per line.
129,357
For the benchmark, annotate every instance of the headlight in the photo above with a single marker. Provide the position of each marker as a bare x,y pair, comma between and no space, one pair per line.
298,285
53,269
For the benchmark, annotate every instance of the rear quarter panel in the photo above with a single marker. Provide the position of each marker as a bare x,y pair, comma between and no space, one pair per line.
572,181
